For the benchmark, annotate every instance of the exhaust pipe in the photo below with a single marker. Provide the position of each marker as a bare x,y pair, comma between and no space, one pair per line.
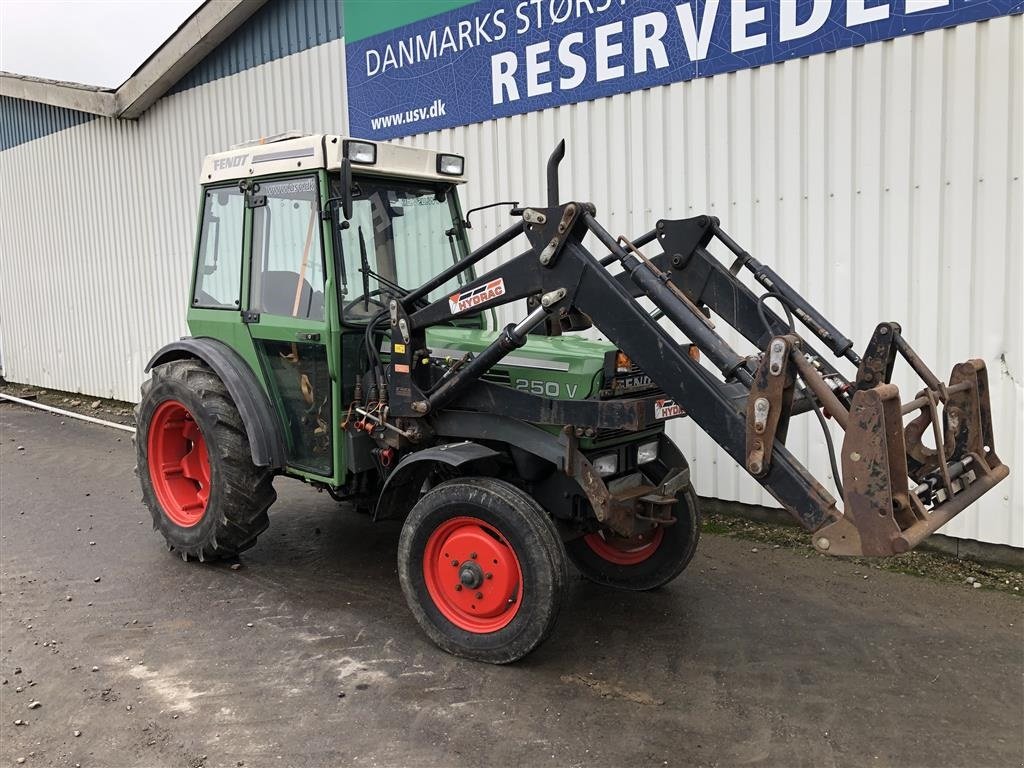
553,161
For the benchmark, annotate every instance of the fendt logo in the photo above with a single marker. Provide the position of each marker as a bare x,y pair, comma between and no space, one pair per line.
222,164
667,409
460,302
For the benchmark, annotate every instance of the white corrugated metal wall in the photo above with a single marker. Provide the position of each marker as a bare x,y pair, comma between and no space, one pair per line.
884,182
98,220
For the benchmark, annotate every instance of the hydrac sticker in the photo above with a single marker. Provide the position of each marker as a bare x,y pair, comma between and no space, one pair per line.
667,409
463,300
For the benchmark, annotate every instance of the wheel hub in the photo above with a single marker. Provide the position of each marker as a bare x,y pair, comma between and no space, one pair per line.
179,464
472,574
625,551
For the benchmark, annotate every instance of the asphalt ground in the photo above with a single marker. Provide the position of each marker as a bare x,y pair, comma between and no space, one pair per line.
307,656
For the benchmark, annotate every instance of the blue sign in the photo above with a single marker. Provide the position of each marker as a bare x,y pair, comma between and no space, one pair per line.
495,58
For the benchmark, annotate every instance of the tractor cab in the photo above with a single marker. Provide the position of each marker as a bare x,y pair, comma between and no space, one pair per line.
303,242
289,282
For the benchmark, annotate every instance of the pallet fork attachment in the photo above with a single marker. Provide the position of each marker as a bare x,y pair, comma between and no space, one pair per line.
745,404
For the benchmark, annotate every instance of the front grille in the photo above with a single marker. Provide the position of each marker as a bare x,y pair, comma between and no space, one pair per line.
604,435
632,383
497,376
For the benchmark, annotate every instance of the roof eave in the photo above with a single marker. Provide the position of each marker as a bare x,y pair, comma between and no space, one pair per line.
80,98
207,28
204,30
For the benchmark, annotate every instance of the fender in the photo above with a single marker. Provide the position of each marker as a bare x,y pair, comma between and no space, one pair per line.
261,423
491,426
412,471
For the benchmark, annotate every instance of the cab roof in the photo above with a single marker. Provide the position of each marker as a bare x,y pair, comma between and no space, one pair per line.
295,151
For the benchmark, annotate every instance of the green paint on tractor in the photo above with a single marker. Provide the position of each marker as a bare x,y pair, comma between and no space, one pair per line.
562,367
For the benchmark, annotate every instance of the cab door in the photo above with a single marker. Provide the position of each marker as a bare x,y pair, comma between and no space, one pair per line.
288,311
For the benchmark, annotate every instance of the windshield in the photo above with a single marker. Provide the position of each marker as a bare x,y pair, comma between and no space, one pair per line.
400,235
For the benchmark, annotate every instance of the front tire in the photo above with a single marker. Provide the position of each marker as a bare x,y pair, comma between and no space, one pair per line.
645,562
194,463
482,569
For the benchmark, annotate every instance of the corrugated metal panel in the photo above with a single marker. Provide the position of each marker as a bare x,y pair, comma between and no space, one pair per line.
278,29
883,181
98,220
22,121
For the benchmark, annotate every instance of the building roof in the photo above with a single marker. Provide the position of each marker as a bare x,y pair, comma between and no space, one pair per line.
193,41
222,38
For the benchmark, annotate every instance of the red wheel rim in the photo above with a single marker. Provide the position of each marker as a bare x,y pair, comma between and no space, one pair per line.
623,551
473,575
179,464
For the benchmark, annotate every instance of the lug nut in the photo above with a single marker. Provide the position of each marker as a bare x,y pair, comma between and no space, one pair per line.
455,563
479,595
472,555
458,587
489,576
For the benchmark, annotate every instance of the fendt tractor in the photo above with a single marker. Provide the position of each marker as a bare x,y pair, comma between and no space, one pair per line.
340,336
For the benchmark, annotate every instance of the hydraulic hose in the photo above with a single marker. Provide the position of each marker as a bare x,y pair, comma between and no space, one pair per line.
815,406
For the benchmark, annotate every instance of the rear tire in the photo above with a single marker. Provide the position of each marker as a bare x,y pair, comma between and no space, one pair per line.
194,463
640,565
482,569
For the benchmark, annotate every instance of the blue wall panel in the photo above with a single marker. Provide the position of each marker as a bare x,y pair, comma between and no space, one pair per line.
22,121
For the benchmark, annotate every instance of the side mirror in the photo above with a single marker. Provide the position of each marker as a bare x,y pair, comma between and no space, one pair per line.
346,188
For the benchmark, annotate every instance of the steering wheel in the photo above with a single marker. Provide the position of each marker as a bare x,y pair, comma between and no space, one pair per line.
368,297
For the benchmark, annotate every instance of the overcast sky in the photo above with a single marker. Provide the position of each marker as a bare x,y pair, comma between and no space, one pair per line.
96,42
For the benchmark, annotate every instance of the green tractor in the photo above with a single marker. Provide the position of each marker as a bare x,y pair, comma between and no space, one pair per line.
340,336
274,381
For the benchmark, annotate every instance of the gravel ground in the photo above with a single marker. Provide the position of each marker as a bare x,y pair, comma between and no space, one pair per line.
763,653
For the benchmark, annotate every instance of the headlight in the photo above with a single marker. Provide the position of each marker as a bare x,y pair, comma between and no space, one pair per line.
450,165
647,452
606,465
362,152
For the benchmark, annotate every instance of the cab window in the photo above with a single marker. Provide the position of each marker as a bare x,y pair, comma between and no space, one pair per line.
401,234
287,258
219,266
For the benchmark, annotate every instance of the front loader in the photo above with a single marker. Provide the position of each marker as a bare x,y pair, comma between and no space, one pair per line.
506,450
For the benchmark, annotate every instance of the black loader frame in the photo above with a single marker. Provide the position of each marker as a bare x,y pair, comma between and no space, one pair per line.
746,409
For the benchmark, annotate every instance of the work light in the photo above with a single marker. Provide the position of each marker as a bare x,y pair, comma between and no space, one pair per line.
647,452
450,165
606,465
362,152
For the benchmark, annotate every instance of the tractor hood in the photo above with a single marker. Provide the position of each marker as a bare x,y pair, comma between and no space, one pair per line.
566,367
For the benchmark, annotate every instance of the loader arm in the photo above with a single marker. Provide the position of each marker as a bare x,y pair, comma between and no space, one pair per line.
745,406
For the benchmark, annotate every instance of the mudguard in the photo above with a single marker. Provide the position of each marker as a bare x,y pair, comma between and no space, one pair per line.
261,424
408,477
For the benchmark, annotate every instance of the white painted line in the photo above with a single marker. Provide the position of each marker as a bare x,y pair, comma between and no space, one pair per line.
70,414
